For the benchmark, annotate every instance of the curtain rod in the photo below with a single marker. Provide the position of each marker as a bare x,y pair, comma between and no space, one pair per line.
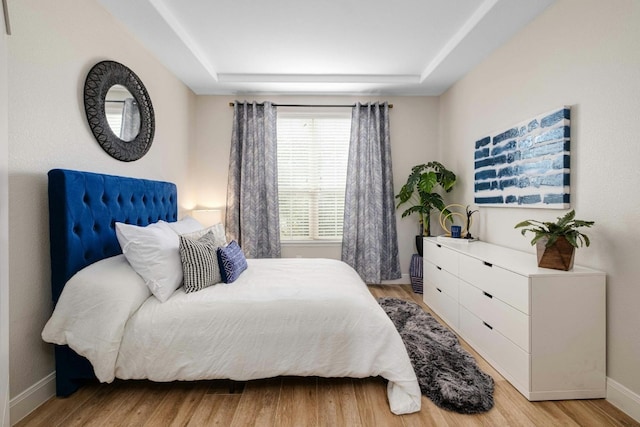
231,104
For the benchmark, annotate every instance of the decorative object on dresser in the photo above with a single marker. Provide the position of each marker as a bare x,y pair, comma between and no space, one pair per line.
469,213
448,214
447,373
543,330
526,165
556,242
119,111
419,191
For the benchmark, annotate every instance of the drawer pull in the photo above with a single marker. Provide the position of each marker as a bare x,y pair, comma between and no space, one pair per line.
438,289
439,268
488,264
487,294
438,245
488,325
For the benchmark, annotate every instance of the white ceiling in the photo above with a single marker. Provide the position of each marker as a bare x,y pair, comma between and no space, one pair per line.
399,47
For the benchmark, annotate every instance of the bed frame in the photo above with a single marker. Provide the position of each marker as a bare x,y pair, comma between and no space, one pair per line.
83,210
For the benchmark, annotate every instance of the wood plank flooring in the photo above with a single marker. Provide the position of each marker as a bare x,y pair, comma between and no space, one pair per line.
299,402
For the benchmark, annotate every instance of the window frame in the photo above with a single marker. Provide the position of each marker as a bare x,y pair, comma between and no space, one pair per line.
314,112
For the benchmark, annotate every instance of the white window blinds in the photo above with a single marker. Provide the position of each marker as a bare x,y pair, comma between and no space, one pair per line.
312,166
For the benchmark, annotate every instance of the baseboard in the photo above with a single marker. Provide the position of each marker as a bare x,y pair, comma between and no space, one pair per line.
623,398
27,401
404,280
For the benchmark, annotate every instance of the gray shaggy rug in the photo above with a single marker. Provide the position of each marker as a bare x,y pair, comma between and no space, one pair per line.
447,373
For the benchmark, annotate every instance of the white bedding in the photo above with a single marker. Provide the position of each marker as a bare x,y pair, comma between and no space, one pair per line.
281,317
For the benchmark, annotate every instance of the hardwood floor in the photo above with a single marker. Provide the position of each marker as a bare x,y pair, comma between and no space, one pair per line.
293,401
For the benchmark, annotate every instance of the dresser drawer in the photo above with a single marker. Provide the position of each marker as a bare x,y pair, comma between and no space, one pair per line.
441,256
505,354
441,278
442,304
510,322
503,284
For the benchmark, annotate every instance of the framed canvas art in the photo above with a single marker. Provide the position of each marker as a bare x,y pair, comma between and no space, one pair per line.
526,165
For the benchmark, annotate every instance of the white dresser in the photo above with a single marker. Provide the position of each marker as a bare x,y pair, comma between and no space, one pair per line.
544,330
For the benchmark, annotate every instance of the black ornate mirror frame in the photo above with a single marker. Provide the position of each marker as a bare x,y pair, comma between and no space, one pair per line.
100,79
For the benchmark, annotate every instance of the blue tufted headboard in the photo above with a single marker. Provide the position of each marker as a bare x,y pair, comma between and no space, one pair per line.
83,210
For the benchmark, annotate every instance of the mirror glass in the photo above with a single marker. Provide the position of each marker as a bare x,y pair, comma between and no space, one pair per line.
119,111
123,114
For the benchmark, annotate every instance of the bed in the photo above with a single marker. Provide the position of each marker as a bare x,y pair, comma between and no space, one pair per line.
296,317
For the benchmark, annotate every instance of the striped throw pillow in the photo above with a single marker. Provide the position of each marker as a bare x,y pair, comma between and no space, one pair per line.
199,262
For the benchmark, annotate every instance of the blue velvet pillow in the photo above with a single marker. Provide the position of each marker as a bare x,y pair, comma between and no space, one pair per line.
232,261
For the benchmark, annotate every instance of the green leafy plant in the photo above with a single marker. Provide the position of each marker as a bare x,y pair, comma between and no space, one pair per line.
419,191
566,226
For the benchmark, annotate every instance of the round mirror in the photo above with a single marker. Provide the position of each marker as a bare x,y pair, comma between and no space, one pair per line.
123,114
119,111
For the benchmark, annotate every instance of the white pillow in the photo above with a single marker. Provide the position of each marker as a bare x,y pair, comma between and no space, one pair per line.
153,253
216,229
186,225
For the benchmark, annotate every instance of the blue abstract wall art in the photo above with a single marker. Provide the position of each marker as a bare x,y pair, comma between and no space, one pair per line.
526,165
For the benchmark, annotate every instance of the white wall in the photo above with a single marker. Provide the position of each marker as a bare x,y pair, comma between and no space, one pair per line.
414,131
4,233
583,53
53,46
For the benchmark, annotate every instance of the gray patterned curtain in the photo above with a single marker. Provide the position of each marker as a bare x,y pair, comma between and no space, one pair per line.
370,240
130,126
252,216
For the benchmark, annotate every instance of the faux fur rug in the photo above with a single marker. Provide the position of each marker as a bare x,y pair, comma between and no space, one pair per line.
447,373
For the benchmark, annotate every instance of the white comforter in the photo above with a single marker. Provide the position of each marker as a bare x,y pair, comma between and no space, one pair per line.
281,317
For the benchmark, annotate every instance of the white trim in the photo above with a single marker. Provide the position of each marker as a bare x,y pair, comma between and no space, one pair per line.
404,280
319,78
30,399
462,34
311,243
183,35
623,398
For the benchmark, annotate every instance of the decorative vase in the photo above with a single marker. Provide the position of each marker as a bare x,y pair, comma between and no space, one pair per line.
419,244
559,256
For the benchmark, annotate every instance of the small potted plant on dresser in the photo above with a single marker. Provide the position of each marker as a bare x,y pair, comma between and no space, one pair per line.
556,242
419,191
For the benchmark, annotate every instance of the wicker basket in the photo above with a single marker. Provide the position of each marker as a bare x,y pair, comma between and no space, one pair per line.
415,273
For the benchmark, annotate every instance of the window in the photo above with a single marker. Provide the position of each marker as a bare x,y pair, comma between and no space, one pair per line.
113,111
313,148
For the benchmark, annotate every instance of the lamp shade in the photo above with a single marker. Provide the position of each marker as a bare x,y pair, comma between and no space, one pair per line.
207,217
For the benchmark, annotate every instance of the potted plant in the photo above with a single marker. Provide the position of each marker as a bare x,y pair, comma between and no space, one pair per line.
556,242
419,192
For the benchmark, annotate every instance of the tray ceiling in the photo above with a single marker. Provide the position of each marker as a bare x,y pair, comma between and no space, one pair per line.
401,47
